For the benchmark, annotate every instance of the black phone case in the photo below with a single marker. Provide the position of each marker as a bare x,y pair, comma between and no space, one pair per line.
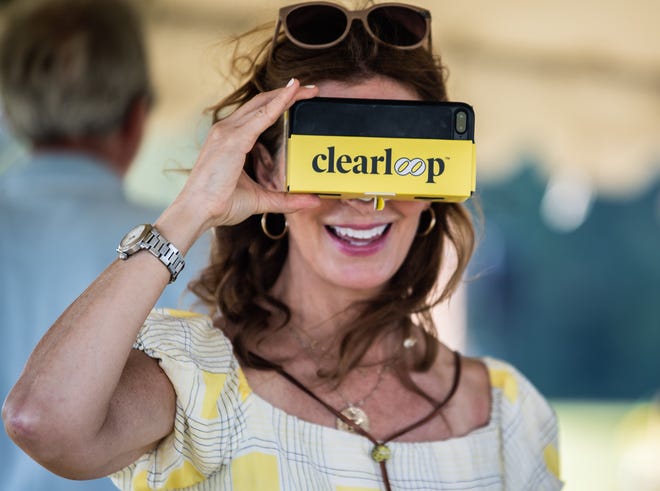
380,118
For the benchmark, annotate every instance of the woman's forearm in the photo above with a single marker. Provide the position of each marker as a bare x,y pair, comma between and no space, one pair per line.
64,394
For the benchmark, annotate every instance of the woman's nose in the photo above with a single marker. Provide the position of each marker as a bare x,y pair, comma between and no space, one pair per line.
366,204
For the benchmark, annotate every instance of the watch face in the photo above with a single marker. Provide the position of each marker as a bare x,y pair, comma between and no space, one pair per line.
133,236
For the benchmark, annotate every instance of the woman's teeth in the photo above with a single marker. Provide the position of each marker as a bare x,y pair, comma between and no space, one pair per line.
358,236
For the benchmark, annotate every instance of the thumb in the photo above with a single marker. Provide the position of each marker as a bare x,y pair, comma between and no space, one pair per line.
281,202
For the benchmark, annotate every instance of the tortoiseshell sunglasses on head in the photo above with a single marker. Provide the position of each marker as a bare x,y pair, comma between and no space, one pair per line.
319,25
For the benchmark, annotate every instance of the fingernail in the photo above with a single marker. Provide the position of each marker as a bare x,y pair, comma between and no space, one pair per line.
310,86
290,83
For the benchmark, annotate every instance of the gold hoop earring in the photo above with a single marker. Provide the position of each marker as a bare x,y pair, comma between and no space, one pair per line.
267,233
431,224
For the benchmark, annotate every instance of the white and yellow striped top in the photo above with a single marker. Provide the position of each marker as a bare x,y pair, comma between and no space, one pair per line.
227,438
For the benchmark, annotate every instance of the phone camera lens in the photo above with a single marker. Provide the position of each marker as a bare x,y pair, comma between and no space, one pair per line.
461,122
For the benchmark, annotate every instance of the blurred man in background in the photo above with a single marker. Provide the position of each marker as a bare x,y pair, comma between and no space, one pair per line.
76,90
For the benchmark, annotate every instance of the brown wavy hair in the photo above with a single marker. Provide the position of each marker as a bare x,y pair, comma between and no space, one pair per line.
245,263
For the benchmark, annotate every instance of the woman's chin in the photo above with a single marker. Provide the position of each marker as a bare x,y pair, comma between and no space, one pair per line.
365,280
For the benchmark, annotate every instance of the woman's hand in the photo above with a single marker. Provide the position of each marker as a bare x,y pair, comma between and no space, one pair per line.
218,191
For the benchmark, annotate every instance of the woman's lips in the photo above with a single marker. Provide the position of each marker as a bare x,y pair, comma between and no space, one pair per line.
359,240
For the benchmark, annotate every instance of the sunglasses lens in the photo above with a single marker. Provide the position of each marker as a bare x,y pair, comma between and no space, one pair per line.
316,24
398,25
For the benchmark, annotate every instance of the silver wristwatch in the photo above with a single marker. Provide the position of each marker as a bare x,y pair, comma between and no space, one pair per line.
146,237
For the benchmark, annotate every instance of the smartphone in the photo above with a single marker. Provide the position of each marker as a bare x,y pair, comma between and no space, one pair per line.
374,148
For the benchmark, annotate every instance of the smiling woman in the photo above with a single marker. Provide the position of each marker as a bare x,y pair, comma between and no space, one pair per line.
319,366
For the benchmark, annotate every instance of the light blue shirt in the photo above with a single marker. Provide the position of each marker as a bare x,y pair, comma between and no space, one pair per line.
61,218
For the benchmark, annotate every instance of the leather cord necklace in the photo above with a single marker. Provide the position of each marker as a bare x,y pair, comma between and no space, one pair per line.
380,452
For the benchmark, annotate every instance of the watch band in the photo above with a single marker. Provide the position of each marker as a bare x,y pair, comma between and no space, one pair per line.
165,251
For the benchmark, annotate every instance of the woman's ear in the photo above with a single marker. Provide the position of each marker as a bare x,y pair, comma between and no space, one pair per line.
265,167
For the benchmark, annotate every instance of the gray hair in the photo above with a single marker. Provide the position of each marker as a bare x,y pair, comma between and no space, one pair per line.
71,68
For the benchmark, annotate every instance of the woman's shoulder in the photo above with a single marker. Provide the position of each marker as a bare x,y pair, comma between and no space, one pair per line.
512,384
528,423
494,381
210,389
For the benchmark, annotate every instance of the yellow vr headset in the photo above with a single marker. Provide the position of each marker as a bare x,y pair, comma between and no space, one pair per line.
381,149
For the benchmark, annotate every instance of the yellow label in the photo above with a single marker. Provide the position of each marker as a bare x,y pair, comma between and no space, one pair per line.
396,168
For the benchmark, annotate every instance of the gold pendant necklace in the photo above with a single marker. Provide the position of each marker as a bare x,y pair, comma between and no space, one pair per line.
354,411
351,410
356,415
